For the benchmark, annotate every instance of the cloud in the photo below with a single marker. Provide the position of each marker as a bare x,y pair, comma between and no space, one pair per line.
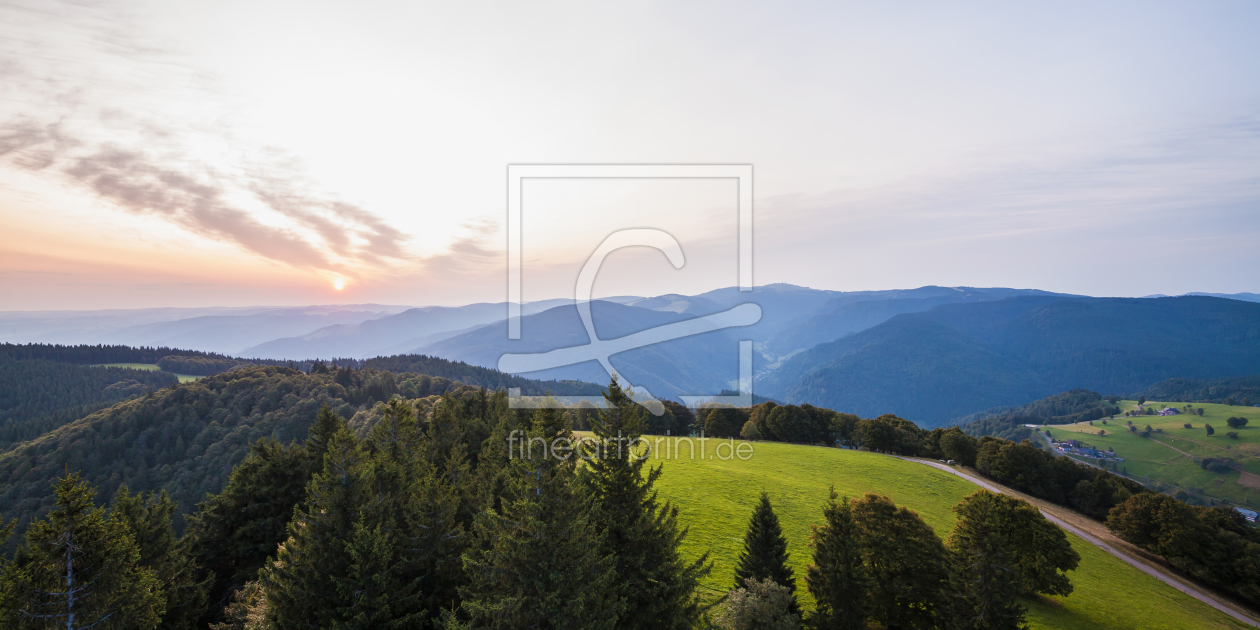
195,197
136,184
95,100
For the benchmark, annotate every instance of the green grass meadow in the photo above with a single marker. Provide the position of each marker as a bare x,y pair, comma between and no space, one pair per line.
149,367
715,498
1157,460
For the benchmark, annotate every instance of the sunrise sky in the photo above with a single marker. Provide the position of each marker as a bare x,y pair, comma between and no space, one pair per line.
249,153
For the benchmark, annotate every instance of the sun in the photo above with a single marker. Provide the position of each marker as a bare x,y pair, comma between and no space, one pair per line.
339,284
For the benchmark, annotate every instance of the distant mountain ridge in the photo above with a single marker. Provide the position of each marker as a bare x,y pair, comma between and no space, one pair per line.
955,359
934,351
219,330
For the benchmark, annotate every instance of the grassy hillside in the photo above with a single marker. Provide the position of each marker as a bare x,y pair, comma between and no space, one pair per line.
716,498
957,359
1169,458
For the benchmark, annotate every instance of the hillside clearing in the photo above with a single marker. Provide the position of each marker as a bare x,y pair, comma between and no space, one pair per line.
715,498
1169,460
148,367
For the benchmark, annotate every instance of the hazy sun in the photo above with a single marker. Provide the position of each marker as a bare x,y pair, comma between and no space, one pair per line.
339,284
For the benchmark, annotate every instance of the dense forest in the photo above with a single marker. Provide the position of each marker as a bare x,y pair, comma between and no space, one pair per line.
479,376
429,519
186,439
1237,391
952,360
91,355
199,366
38,395
1077,405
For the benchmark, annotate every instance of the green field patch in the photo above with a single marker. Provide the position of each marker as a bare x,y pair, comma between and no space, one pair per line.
1158,463
148,367
716,497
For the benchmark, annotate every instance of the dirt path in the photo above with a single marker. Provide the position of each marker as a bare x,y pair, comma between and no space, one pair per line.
1089,531
1175,448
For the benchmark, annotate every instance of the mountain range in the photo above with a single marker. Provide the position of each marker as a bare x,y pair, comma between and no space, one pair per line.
932,354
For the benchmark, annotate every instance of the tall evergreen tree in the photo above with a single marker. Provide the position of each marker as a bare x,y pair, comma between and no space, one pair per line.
765,555
907,562
404,550
149,520
657,584
376,543
79,569
837,578
539,563
234,532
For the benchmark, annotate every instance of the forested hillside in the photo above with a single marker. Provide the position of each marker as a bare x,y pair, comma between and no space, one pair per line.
1242,390
37,395
186,439
92,355
956,359
479,376
1078,405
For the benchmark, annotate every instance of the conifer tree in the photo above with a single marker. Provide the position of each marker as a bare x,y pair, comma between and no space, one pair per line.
658,586
837,578
234,532
765,555
404,550
377,543
79,569
149,520
299,585
539,563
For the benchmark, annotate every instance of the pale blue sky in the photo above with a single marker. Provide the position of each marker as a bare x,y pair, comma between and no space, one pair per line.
171,154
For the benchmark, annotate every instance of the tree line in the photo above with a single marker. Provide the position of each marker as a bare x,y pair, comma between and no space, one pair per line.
186,440
876,562
424,522
86,354
1214,545
38,395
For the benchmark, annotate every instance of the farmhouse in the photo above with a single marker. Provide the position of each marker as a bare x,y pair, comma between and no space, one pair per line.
1168,411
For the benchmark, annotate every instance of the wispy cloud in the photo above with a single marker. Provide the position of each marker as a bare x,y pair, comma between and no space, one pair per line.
86,129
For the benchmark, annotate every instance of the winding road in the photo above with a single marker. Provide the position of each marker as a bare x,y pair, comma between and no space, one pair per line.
1140,565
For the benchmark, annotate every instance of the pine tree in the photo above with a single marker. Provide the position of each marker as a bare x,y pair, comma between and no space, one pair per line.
907,562
539,562
149,520
765,555
837,578
376,543
658,586
234,532
299,585
404,550
79,569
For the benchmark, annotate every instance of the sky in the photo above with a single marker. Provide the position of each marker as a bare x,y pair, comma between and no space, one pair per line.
286,153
